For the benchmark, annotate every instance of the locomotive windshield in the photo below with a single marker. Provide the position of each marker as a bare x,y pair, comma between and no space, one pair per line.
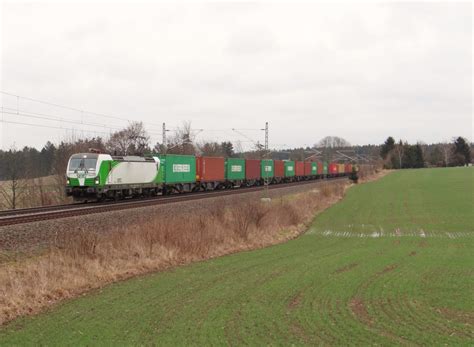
82,162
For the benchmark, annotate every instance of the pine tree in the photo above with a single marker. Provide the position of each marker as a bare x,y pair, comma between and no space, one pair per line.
462,152
387,147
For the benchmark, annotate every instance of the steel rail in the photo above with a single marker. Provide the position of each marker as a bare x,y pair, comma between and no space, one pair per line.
36,214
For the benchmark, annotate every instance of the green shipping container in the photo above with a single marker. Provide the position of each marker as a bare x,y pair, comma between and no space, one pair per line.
314,168
234,169
267,168
325,168
177,169
289,168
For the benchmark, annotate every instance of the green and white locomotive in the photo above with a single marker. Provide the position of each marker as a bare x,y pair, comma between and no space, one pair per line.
92,176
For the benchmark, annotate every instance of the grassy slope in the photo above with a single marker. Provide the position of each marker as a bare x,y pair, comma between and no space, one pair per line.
316,289
432,200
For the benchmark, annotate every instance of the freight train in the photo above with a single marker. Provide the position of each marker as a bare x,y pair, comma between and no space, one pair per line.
97,176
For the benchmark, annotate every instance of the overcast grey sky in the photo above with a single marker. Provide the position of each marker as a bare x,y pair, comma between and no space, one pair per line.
362,72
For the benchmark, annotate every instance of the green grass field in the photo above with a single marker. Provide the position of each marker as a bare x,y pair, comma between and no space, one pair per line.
391,264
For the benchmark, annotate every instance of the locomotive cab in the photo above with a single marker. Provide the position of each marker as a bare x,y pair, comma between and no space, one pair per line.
82,176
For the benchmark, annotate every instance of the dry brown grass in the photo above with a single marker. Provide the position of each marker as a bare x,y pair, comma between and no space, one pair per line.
93,258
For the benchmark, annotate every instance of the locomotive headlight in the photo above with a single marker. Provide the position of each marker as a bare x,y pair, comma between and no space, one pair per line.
97,180
68,181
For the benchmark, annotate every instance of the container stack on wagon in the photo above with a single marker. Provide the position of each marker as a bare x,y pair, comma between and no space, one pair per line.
299,169
333,169
210,172
267,169
252,171
348,168
279,166
234,171
310,169
177,172
289,169
320,169
340,169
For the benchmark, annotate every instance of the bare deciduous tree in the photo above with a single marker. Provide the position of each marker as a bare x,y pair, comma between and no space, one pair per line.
133,140
399,150
332,142
182,142
447,150
12,189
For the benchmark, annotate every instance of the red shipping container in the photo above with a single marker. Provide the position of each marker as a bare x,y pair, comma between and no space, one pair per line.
210,169
252,169
320,168
348,168
279,167
299,168
307,168
333,169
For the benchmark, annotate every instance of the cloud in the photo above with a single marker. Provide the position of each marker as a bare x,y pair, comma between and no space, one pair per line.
358,71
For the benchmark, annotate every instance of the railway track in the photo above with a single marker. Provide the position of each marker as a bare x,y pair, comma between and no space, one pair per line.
28,215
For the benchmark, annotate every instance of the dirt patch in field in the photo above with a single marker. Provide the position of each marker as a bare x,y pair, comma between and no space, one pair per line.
388,269
396,242
359,310
295,301
423,244
298,331
459,316
346,268
412,254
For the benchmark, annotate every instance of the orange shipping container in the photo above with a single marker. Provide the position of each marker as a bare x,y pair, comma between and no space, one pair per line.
340,168
210,169
252,169
299,168
332,168
279,167
320,168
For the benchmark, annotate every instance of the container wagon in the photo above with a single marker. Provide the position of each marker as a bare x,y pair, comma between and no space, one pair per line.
341,169
279,167
310,169
267,169
348,169
252,172
320,169
299,169
289,170
210,172
333,169
325,169
234,172
177,173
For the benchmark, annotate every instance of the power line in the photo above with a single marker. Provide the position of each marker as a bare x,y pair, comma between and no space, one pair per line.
45,116
18,97
52,127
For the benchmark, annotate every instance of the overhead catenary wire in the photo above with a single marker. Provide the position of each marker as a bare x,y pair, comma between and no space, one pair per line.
45,116
51,126
18,97
83,123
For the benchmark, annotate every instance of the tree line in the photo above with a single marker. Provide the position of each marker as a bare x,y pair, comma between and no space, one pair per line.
401,155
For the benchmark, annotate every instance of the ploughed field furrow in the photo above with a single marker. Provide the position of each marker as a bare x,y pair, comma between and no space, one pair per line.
55,212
